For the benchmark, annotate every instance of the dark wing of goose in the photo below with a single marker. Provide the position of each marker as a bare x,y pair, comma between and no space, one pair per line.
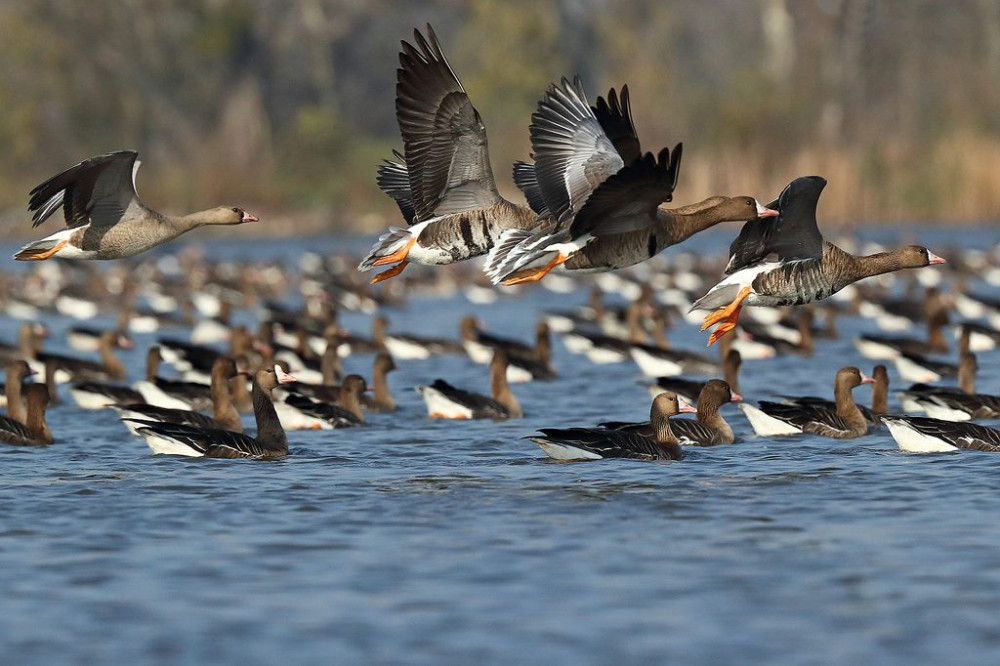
334,414
606,443
628,200
976,402
212,442
393,178
961,434
572,153
444,138
481,405
643,428
14,432
512,347
200,357
823,403
115,392
792,235
615,117
817,419
524,178
688,389
96,191
940,367
169,415
690,431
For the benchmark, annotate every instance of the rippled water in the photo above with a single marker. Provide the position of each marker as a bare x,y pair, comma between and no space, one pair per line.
459,542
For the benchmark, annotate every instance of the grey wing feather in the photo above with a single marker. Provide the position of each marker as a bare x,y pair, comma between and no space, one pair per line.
96,191
393,178
524,178
444,137
573,155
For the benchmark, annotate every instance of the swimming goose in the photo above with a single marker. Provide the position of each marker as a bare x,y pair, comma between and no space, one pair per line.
807,268
708,428
444,401
13,387
298,412
844,421
891,347
689,389
33,431
919,434
171,393
382,400
452,205
950,403
104,217
596,443
407,347
67,368
880,398
224,413
270,441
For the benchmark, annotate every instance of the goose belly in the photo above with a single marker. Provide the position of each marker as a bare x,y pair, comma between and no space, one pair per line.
406,350
439,406
478,352
914,372
154,395
558,451
655,366
945,413
766,425
518,375
875,350
90,399
914,441
159,444
295,419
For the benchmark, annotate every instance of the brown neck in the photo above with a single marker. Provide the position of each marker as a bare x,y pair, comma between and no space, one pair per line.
679,224
967,374
112,364
152,365
27,341
880,394
239,394
874,264
708,413
846,408
731,370
349,401
633,317
936,340
661,430
15,407
36,423
500,389
805,333
330,365
543,346
223,409
382,396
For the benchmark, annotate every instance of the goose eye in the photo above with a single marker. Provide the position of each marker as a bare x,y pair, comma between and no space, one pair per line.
236,210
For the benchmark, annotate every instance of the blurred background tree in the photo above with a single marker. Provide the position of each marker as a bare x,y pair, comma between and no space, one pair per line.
286,107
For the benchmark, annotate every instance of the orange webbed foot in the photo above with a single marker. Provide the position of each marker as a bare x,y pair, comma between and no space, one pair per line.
727,311
392,272
534,274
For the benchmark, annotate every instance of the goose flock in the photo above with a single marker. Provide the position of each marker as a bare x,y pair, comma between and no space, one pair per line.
595,212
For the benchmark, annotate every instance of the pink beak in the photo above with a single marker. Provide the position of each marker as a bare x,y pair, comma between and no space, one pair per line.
247,217
934,259
865,379
684,408
736,397
765,212
124,342
283,377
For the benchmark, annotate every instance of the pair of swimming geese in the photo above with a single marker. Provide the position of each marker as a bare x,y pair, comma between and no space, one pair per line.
593,202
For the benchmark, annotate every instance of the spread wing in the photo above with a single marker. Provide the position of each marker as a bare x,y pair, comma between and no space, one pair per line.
96,191
393,178
524,178
615,117
573,155
628,200
792,235
444,138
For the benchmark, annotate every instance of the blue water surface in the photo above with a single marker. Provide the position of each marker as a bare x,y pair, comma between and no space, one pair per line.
420,541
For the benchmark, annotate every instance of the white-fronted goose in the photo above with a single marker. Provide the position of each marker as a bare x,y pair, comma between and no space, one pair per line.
596,443
618,192
708,428
447,194
951,404
269,442
880,398
381,401
410,347
224,414
845,421
33,431
807,268
891,347
13,387
689,389
171,393
103,214
919,434
444,401
298,412
67,368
